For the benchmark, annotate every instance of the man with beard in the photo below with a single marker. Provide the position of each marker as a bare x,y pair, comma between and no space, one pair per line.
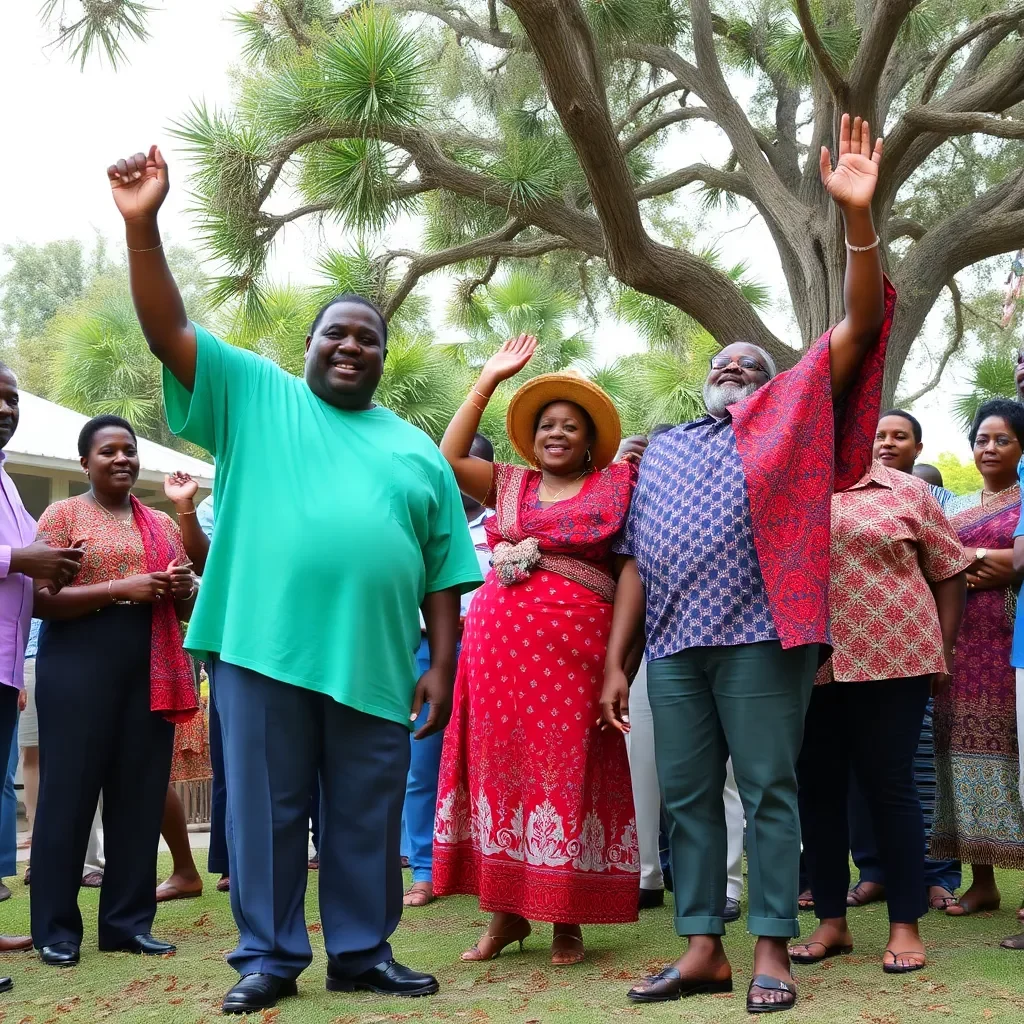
729,533
337,522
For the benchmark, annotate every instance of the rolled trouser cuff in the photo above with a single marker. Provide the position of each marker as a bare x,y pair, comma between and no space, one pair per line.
699,925
774,927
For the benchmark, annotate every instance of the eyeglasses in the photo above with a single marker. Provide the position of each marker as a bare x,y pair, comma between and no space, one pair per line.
743,362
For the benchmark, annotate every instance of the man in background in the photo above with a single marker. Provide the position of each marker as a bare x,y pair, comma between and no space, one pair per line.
425,755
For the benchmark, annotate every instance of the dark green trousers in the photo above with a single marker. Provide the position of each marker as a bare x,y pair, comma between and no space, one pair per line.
747,702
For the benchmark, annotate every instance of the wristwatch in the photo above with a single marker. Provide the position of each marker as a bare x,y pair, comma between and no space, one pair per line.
980,554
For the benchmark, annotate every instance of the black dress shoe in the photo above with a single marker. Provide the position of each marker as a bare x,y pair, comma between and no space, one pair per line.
60,954
6,984
669,985
651,898
144,944
387,979
732,911
258,992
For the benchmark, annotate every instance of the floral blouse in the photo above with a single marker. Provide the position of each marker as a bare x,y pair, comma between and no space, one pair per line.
113,549
890,542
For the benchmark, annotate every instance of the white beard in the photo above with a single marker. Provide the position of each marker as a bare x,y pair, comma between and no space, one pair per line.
718,397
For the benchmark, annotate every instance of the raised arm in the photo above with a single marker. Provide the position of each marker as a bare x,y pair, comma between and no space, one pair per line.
474,476
180,489
852,186
139,185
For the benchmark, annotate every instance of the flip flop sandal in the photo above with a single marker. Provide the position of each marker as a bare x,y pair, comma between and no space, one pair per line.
419,894
224,885
805,901
1013,942
856,898
898,968
767,983
811,958
941,902
165,892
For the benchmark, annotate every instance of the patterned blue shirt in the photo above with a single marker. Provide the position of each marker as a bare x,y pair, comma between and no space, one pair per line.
689,529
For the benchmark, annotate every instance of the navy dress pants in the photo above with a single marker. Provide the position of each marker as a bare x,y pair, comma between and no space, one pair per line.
277,738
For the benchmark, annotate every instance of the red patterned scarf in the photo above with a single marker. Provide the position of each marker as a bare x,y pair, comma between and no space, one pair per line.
797,448
172,688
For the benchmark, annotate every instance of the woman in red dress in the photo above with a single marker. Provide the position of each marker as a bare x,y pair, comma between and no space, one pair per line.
535,810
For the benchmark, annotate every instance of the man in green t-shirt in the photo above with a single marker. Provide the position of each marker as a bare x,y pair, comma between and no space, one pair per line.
337,522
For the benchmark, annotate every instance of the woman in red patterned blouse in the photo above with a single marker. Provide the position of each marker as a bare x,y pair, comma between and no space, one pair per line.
112,681
897,593
535,809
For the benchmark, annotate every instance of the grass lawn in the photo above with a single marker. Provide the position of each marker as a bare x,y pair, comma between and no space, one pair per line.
969,977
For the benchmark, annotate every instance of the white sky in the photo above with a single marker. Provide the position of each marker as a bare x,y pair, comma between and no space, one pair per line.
63,127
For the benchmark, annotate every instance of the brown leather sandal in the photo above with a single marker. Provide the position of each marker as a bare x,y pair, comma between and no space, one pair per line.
489,947
566,949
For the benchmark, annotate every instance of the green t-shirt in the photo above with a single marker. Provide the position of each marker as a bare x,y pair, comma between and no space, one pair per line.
331,528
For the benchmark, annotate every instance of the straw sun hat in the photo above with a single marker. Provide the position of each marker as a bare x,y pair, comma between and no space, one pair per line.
535,394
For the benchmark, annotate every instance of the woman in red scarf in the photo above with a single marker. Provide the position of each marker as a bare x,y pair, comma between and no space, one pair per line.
112,681
535,809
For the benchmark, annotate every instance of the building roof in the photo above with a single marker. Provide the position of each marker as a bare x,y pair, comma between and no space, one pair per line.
47,436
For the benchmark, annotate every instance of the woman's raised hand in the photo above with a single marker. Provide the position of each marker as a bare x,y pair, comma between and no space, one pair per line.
852,184
139,184
180,489
510,358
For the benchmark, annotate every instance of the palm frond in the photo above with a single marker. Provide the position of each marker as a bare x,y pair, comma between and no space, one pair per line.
100,27
374,72
993,376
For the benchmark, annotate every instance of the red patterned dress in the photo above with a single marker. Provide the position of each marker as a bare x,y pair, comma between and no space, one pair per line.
535,809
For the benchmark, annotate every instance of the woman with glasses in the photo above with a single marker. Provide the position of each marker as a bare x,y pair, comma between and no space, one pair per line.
978,814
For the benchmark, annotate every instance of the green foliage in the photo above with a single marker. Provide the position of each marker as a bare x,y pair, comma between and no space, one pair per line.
39,279
100,360
100,27
958,477
992,377
374,72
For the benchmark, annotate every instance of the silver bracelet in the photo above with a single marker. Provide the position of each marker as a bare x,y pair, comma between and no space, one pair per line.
863,248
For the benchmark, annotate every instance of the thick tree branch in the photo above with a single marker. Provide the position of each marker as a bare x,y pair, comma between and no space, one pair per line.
947,353
959,41
645,101
775,200
461,24
295,28
497,245
728,181
656,124
833,76
571,68
876,43
908,145
904,227
966,123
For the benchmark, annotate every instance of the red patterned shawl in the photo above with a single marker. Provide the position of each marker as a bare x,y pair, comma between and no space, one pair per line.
793,458
172,689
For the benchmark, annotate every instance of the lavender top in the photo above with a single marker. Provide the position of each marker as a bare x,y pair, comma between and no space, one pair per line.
17,530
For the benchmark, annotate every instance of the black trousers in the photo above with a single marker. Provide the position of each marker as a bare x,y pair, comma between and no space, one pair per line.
97,734
872,728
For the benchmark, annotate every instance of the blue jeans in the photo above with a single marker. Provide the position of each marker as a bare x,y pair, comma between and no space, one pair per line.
421,791
9,812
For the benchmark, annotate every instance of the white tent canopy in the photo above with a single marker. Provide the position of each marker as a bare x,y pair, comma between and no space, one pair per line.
47,438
